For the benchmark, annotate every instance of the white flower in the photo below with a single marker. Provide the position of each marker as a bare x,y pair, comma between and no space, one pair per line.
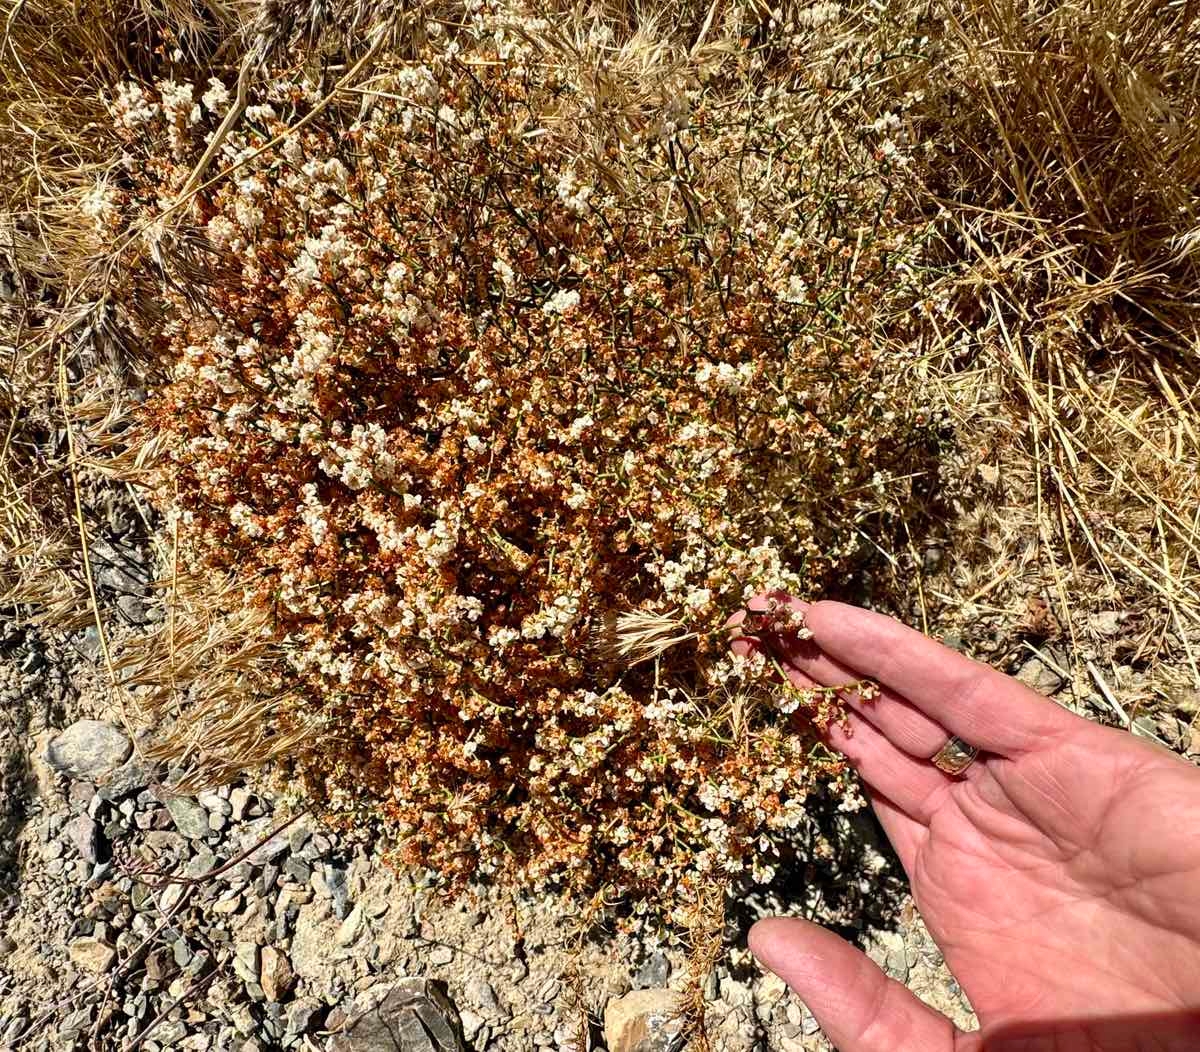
505,273
261,112
571,193
132,106
216,97
562,302
99,204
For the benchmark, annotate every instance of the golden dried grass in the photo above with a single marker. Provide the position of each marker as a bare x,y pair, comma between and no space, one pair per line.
1065,155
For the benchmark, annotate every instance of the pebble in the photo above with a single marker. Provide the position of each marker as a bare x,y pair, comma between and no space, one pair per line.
300,1013
297,870
88,749
481,993
203,861
655,971
471,1023
348,930
214,803
239,800
275,975
1036,674
228,904
271,848
643,1021
1107,622
91,955
245,961
189,817
160,965
414,1016
80,795
131,777
735,993
440,955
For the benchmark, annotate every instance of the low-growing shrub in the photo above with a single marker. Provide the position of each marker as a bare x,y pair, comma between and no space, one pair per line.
456,397
488,396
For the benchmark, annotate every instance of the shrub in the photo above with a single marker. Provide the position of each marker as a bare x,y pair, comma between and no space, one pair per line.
477,400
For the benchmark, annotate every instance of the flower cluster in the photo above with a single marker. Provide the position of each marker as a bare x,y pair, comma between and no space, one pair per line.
451,403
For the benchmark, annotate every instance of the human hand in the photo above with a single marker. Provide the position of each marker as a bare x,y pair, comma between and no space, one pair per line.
1059,874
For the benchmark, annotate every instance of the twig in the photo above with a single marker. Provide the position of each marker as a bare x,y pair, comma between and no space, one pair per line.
162,879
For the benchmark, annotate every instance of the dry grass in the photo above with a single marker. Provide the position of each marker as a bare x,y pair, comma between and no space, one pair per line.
1064,154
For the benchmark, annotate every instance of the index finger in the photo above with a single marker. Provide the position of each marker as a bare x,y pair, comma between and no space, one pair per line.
971,700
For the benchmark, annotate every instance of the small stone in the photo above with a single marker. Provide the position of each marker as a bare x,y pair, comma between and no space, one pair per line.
439,955
87,838
735,993
771,989
266,881
275,974
181,953
169,897
1039,676
339,890
644,1021
239,800
201,863
80,795
131,777
471,1024
300,1013
655,971
169,1033
268,850
298,834
1107,622
160,965
415,1016
88,749
348,930
297,870
243,1020
245,961
189,817
92,955
228,904
887,950
480,992
215,803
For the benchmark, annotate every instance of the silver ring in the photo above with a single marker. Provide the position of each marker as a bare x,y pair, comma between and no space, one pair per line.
955,756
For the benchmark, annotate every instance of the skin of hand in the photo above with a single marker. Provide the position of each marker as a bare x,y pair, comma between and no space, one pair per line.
1059,875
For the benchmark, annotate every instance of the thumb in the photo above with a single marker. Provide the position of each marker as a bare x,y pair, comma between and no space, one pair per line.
859,1008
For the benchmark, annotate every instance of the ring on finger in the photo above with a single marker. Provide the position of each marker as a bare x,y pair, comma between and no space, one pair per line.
955,756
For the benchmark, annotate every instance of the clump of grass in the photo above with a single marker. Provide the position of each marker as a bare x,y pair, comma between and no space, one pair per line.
1059,146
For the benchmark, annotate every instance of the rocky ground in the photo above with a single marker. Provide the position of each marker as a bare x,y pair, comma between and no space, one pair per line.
137,919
